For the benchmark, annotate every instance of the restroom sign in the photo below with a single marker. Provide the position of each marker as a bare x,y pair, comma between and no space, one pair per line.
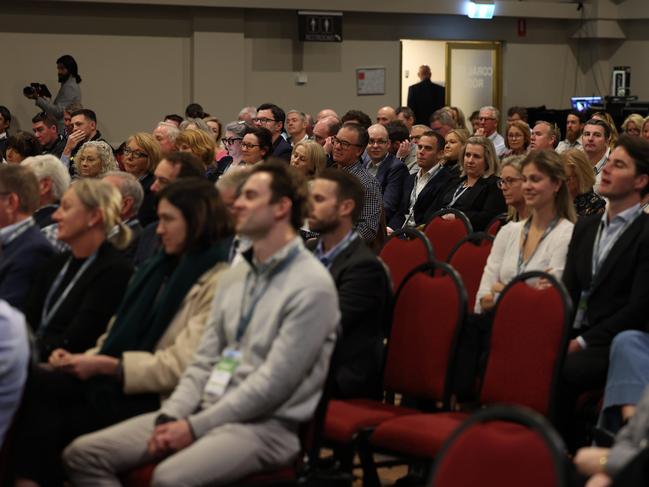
320,26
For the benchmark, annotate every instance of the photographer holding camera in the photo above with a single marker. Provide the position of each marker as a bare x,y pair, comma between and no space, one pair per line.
70,92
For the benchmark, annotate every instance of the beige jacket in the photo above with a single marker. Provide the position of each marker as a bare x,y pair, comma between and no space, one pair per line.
159,372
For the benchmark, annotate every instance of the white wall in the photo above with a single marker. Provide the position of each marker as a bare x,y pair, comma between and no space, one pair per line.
414,53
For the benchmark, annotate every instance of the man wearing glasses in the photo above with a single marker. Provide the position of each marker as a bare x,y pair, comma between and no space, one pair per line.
348,147
487,127
272,117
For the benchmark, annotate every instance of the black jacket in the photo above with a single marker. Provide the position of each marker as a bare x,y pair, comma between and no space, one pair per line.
424,98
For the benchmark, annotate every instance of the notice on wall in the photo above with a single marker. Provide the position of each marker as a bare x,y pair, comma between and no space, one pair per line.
370,81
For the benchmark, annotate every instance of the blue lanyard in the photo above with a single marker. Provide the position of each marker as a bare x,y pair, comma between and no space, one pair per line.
246,316
46,316
526,231
597,259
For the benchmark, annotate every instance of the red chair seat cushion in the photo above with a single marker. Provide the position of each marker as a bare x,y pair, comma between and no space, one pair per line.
417,435
346,418
139,477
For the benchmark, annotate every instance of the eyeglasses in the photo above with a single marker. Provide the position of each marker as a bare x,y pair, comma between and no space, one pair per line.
507,182
377,141
343,143
248,145
135,153
514,136
231,140
482,119
263,120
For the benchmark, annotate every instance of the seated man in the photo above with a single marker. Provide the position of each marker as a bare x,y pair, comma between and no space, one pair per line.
132,196
364,290
259,370
23,248
53,180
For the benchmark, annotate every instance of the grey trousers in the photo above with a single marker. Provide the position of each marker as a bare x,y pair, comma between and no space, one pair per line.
222,456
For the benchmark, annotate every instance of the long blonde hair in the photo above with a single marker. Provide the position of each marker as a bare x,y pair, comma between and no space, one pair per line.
96,194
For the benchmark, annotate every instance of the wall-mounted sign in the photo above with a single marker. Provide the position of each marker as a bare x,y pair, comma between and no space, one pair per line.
370,81
320,26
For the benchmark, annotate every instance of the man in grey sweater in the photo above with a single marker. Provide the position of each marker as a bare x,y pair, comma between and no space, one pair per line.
258,372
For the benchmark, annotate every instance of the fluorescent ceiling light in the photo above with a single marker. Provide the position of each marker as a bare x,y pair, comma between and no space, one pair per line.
480,9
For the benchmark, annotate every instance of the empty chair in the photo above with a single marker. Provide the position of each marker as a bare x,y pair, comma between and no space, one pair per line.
468,258
405,249
444,234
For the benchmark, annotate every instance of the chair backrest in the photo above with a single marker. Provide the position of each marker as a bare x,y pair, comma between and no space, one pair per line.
523,449
496,224
405,249
445,234
529,336
469,257
429,310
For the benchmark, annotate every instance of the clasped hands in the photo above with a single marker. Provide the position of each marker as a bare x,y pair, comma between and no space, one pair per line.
81,365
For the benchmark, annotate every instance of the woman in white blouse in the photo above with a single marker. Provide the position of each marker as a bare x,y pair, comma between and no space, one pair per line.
539,242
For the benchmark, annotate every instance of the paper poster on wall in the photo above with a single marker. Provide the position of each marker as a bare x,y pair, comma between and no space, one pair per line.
370,81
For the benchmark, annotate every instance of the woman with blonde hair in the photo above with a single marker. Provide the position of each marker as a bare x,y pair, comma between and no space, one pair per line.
142,153
217,129
94,159
511,184
581,179
453,143
202,145
632,124
309,158
606,117
645,128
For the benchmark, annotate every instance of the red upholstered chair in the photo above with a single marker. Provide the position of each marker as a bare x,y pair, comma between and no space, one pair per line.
405,249
469,257
506,447
528,342
445,234
429,310
496,224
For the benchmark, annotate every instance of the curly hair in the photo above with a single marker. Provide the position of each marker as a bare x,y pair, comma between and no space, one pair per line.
105,153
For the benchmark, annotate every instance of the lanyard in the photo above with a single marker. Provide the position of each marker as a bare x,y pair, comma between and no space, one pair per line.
458,192
22,228
526,231
246,316
600,256
46,315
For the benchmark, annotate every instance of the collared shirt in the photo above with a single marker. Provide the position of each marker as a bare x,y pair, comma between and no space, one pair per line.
13,231
327,258
611,230
421,180
565,144
368,223
3,135
373,168
499,143
598,169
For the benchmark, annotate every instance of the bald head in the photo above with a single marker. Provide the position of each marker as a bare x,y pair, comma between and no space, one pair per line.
326,112
424,72
386,115
379,142
324,128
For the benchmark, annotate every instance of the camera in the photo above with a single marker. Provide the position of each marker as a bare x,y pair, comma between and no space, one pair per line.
37,89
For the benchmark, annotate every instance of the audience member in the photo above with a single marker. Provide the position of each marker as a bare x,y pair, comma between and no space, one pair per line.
141,156
23,248
234,132
516,114
645,128
53,180
400,145
202,145
218,431
606,117
194,110
309,158
296,126
174,119
272,118
574,125
511,184
364,290
166,133
389,171
357,116
595,141
5,122
247,114
256,146
442,121
488,126
632,124
149,343
324,113
21,146
46,132
545,135
67,117
348,146
581,180
75,294
94,159
323,132
132,196
84,125
407,116
425,97
517,138
217,130
195,124
474,119
385,115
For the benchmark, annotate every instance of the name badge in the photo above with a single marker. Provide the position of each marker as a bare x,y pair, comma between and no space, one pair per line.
222,373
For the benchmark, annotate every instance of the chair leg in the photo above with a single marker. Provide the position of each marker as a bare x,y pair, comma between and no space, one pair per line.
370,473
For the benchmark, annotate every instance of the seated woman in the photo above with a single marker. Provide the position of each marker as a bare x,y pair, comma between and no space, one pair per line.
453,143
202,145
215,127
511,184
20,146
309,158
581,180
517,139
477,195
141,156
632,124
541,241
645,128
150,341
94,159
77,292
256,146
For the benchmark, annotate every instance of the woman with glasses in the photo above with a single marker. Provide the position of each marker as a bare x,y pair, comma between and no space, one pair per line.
309,158
256,146
141,156
234,132
540,242
94,159
511,184
581,180
517,139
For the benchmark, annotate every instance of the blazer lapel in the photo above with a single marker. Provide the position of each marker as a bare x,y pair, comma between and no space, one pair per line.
340,260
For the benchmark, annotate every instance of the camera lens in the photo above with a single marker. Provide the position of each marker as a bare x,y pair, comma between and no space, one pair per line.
28,91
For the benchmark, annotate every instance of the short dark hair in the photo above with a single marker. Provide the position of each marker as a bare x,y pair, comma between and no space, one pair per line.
190,165
24,143
176,118
601,123
22,181
70,64
361,132
347,187
264,137
278,113
638,150
205,214
194,110
287,182
397,131
439,140
44,117
6,114
86,112
580,115
332,123
407,112
357,116
520,111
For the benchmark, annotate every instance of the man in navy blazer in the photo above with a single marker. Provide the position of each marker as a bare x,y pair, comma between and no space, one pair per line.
421,189
389,171
23,248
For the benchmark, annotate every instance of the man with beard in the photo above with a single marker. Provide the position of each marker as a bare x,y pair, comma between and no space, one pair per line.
68,75
336,200
574,124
